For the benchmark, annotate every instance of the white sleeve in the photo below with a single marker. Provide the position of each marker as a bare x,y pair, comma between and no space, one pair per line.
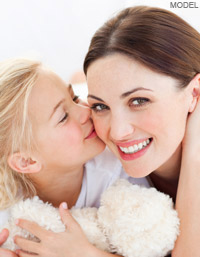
4,216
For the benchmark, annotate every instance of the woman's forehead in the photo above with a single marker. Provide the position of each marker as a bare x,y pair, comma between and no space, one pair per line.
121,74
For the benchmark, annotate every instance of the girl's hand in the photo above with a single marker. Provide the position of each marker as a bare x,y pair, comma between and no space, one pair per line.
72,242
4,252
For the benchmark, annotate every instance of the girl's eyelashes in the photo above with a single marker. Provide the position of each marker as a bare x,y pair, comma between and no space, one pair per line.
139,101
64,118
99,107
76,98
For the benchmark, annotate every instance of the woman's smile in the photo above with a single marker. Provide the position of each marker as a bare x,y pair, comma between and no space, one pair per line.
134,151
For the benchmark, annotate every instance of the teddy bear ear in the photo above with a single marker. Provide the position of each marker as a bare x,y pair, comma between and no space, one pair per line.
20,162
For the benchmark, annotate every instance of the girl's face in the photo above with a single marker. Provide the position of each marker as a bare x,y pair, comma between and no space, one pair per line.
140,114
62,127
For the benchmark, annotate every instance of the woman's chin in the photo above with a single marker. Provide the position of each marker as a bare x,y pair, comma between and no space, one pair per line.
138,172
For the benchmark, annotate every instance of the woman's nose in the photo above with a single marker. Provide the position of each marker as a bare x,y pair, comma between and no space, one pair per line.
120,128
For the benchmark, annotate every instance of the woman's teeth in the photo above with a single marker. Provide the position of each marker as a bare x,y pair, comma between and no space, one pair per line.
135,148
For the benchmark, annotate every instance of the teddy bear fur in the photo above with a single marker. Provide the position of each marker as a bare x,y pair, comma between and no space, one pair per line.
132,221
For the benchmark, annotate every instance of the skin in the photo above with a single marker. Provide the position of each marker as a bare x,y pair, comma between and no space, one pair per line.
3,237
131,103
188,197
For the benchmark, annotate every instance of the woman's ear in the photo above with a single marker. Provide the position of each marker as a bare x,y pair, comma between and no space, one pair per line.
20,162
195,90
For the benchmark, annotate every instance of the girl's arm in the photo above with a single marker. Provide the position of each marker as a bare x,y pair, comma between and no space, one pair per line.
188,195
72,242
4,252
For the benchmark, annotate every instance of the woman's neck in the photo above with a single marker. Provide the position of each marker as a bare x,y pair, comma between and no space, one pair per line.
55,187
166,177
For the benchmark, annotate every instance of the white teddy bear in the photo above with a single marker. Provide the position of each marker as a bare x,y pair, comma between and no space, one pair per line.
132,221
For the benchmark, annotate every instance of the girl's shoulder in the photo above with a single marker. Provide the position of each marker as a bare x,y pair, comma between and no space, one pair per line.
108,168
105,161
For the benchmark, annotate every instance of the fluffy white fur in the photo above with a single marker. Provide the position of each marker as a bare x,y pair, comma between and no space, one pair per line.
132,221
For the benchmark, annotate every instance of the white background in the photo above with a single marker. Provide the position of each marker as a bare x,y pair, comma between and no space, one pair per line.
58,32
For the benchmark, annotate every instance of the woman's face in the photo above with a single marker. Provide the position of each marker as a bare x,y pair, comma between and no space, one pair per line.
62,127
140,114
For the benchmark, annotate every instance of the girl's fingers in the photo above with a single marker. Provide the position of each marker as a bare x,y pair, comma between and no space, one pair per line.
21,253
66,216
26,245
7,253
3,236
32,227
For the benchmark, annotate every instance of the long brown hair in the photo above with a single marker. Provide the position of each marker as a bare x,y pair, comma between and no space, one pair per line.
155,37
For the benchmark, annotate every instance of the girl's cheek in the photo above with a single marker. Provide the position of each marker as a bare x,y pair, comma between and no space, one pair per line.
69,133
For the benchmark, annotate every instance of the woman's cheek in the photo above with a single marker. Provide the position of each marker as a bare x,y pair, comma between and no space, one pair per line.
101,127
152,123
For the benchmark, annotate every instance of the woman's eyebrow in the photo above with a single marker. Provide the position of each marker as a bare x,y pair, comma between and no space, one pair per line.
123,95
95,97
133,91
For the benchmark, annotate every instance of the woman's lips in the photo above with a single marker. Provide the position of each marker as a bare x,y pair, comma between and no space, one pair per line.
135,155
91,134
130,143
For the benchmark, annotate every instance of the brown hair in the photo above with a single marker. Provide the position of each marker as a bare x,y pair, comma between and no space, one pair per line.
155,37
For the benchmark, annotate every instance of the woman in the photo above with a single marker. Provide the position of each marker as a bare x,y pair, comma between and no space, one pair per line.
47,147
143,77
142,70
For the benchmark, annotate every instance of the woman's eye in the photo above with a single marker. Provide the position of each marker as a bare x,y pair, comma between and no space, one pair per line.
76,99
99,107
137,102
64,118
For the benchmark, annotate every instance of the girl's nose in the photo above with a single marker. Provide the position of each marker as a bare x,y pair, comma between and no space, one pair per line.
83,113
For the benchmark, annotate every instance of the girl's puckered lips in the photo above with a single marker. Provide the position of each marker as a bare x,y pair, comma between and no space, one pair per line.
92,133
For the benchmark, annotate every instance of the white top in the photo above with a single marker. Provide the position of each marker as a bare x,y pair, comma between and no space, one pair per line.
99,174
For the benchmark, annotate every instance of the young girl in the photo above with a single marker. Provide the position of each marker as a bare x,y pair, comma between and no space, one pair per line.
46,137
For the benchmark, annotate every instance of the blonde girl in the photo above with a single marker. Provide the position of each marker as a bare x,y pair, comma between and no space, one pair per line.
47,143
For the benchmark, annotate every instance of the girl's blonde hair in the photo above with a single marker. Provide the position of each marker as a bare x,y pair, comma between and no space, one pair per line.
17,77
